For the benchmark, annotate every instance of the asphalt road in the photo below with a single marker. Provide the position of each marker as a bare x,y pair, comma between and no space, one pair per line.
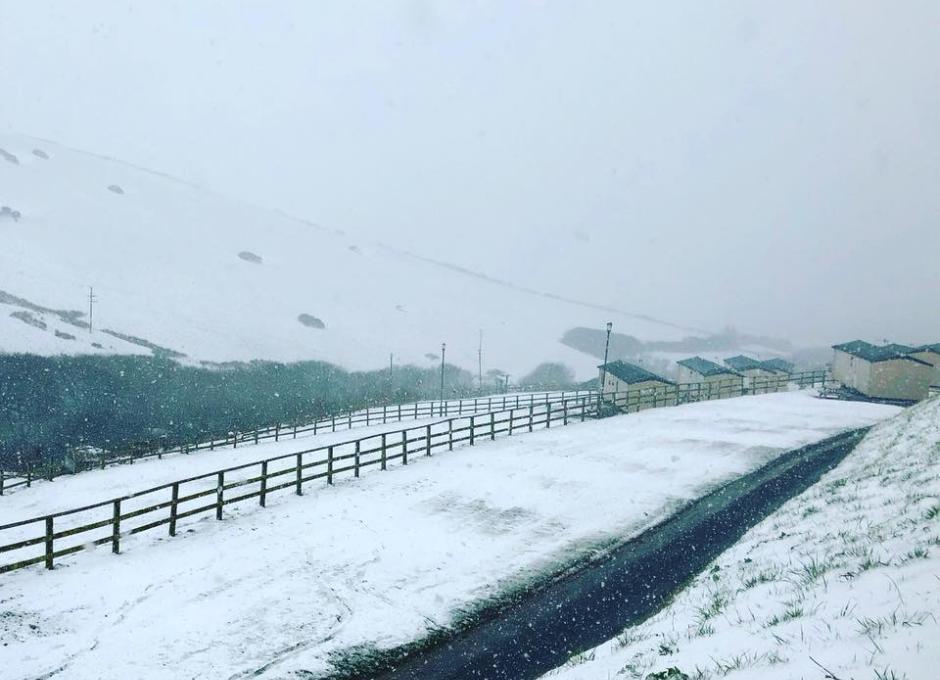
541,630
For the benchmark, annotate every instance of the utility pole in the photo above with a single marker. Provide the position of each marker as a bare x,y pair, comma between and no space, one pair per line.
91,306
391,376
604,369
506,385
480,361
443,352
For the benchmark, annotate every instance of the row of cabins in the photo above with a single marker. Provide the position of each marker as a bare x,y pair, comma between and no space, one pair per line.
627,383
890,372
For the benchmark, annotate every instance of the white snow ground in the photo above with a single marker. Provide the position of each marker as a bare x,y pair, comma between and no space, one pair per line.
844,577
164,259
381,559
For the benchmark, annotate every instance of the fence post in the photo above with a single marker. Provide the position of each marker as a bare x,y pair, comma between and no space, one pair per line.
399,412
48,542
174,502
29,473
384,453
1,481
472,426
277,432
492,426
300,460
427,448
583,408
416,411
531,415
333,418
256,436
450,434
384,414
404,447
548,415
511,417
263,496
219,488
564,405
329,466
116,527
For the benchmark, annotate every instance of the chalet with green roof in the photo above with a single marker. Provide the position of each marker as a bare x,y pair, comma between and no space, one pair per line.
633,387
930,354
882,371
699,370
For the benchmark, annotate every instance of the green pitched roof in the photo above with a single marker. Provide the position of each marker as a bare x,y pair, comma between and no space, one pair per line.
778,364
900,349
743,363
631,373
705,367
874,353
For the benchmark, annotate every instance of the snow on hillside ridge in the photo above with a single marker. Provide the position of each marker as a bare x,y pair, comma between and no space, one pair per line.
843,581
184,269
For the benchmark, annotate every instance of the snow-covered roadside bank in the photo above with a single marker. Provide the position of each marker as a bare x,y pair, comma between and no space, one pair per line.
379,561
841,582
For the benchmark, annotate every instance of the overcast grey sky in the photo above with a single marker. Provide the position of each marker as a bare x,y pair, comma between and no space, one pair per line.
769,165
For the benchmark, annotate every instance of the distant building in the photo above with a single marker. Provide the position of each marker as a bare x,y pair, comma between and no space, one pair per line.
930,354
628,384
881,372
778,365
751,369
720,381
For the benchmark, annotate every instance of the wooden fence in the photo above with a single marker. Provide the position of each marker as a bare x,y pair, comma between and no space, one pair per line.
385,414
66,532
683,393
47,538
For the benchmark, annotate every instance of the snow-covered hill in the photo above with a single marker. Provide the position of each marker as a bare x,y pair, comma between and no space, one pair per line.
177,268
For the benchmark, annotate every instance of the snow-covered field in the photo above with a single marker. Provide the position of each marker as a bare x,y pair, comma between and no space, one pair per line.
220,280
842,582
380,560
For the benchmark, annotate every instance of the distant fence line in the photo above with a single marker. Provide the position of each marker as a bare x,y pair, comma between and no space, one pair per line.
635,399
208,493
10,479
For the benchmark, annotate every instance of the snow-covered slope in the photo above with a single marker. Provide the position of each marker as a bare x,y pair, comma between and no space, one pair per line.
842,582
218,280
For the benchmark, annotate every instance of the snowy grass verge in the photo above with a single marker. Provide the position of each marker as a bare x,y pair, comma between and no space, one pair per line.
843,582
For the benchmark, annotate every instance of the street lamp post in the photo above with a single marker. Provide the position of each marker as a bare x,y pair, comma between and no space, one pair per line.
604,371
443,352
